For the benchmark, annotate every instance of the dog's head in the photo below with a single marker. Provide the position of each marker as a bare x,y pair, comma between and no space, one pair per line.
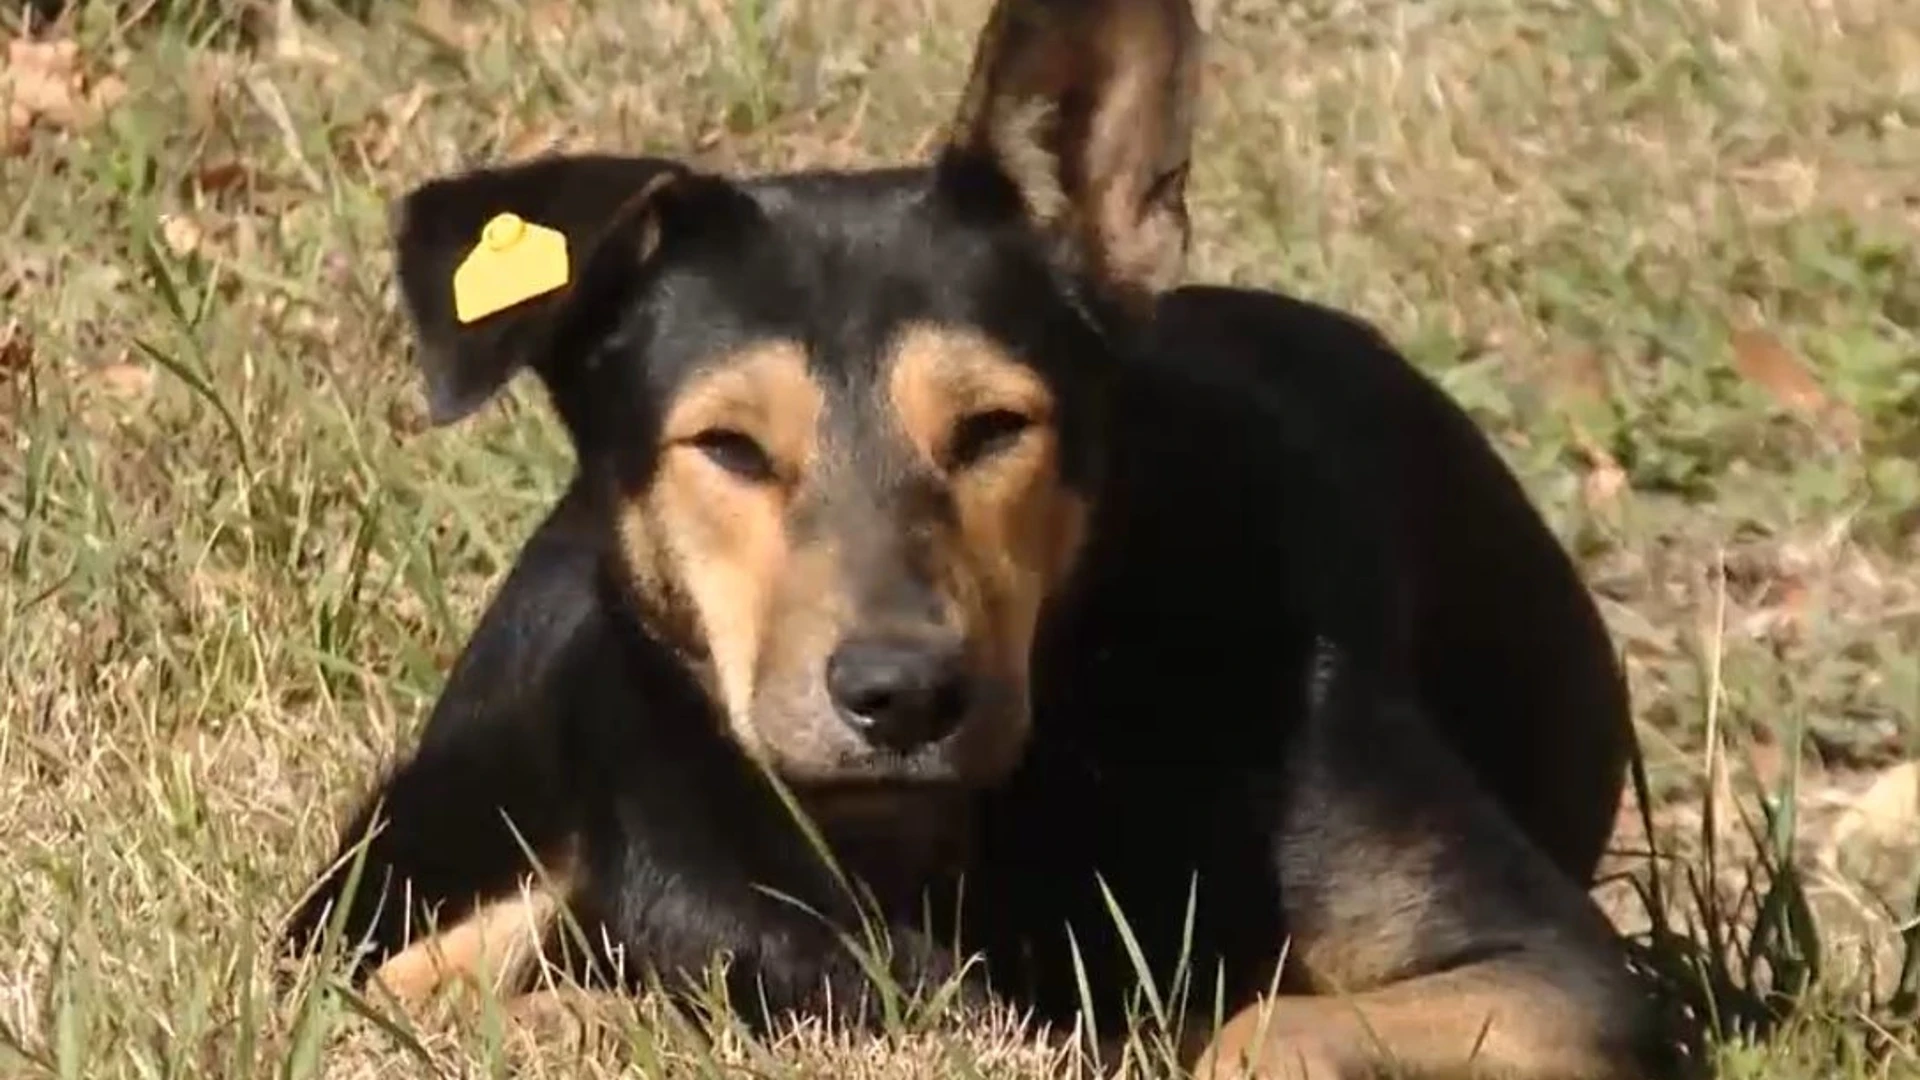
847,425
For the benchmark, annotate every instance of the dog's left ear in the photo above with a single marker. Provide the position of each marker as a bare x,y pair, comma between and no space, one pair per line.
487,261
1086,108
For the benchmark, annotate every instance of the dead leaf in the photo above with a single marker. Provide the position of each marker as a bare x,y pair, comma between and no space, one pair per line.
406,417
397,116
1886,811
16,349
23,272
125,380
1781,620
438,19
551,17
107,93
220,178
1600,488
210,79
435,14
1765,361
535,142
1766,760
43,77
295,47
336,269
1581,376
43,83
182,234
16,134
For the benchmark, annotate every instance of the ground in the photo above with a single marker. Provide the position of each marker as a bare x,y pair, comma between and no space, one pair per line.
1667,251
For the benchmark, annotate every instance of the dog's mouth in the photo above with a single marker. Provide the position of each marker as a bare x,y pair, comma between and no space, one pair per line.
821,753
884,777
887,796
895,835
885,789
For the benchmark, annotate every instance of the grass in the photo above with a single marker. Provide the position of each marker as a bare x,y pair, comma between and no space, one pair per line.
1667,251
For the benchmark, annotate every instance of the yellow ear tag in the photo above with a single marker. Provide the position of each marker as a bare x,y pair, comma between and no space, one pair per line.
514,262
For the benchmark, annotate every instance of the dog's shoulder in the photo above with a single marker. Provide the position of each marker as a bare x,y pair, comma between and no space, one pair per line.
1335,387
1241,472
547,607
1239,528
1330,381
1308,394
1485,613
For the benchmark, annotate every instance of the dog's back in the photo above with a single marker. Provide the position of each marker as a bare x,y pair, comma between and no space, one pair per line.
1510,656
1282,485
920,491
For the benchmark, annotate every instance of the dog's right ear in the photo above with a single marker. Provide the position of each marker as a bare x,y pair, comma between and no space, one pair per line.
564,205
1085,109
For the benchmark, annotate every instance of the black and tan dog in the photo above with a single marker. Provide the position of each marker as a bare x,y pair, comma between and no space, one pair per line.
930,493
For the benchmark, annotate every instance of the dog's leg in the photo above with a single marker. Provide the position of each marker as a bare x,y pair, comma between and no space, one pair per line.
446,833
1495,1019
448,824
1428,934
496,945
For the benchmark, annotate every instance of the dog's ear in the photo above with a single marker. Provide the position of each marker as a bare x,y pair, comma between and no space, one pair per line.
1086,108
488,260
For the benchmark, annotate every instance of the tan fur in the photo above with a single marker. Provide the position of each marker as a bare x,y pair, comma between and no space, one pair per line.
937,375
1483,1021
496,945
703,535
1020,527
1529,987
1369,923
714,557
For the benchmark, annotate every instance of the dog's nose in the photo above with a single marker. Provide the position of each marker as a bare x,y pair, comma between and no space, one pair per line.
898,695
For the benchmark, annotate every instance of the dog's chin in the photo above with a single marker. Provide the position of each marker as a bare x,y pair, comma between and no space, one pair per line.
866,773
896,838
854,800
897,821
834,764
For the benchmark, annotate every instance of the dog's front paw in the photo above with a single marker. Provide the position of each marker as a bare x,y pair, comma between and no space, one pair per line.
909,967
1274,1043
1280,1058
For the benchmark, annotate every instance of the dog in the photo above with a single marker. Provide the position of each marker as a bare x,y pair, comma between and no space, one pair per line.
926,504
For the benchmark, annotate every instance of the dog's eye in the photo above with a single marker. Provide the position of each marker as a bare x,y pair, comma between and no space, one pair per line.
982,435
736,453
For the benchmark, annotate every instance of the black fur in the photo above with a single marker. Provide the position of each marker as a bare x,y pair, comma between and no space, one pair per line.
1313,610
1289,497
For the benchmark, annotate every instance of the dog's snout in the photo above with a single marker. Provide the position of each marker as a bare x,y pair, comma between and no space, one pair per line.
899,694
